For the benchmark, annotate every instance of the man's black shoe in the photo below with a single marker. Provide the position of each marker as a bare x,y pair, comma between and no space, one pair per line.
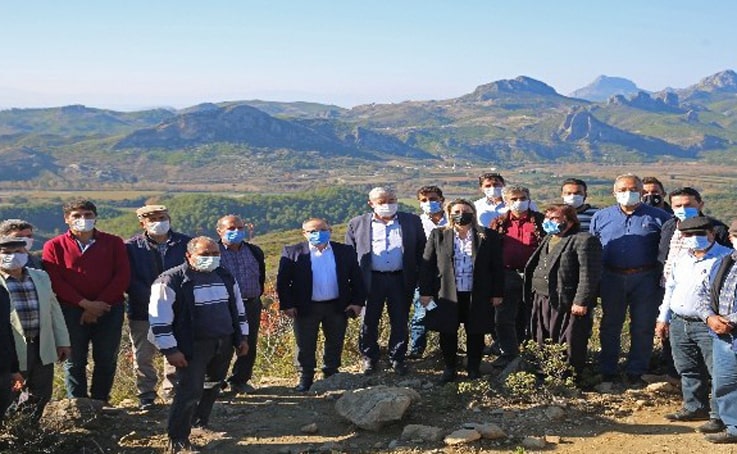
369,366
684,415
449,375
305,383
473,374
711,427
721,437
635,381
414,355
399,367
146,404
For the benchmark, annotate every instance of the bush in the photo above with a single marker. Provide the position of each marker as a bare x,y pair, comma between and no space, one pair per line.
548,373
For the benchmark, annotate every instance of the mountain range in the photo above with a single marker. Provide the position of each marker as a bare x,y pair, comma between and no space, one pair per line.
516,120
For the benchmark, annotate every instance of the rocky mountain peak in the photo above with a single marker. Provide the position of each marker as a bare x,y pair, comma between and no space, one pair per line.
721,81
604,87
521,85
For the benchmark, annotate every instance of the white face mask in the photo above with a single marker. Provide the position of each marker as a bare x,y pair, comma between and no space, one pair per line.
158,228
519,206
13,261
574,200
385,210
83,225
627,198
494,192
206,263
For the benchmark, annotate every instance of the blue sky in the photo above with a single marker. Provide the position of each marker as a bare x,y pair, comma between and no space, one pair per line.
135,54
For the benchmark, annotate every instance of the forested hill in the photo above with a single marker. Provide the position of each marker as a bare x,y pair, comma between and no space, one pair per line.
197,214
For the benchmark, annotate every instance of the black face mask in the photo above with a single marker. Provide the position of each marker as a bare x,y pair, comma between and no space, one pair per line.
462,218
652,199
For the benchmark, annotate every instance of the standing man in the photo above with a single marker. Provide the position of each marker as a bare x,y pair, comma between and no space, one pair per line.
653,194
389,247
197,317
679,321
433,216
22,229
574,192
629,233
40,333
89,273
10,377
491,205
245,261
319,283
521,231
720,314
151,252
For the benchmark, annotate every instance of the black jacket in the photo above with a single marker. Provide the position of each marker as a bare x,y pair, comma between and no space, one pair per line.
294,280
574,273
8,355
716,285
437,279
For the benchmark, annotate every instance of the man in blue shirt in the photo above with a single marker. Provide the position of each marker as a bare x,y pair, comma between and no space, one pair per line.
629,233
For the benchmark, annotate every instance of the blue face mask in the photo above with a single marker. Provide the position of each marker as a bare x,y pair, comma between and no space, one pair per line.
318,237
685,212
697,242
234,236
552,227
431,207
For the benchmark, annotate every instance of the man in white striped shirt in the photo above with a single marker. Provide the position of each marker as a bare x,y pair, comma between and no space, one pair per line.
197,317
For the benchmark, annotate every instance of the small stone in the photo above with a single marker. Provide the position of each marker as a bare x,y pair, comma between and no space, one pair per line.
533,443
310,428
393,444
421,432
555,413
462,436
552,439
378,445
604,387
662,387
490,431
428,385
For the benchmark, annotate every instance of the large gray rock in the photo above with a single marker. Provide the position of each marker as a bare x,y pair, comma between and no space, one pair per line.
70,413
371,408
421,432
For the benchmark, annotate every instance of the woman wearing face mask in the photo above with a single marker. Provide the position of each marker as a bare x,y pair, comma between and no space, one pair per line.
561,283
463,274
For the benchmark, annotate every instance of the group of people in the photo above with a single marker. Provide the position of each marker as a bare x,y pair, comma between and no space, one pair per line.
499,266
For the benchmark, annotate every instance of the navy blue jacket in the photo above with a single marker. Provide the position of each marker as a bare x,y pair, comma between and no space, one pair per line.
8,355
146,266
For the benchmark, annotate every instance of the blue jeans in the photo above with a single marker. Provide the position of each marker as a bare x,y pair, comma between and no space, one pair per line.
691,345
639,292
417,330
725,381
105,338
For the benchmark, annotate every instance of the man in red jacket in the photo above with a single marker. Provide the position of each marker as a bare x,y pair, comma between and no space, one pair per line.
89,273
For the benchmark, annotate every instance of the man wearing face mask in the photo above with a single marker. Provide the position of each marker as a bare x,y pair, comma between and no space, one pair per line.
521,231
197,317
319,285
40,333
629,233
573,193
245,261
22,229
680,322
89,272
653,194
433,216
491,205
389,246
151,252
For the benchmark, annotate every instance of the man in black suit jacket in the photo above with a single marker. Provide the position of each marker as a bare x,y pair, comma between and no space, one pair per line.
319,282
389,246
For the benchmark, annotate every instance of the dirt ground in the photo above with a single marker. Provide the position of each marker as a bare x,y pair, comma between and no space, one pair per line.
270,421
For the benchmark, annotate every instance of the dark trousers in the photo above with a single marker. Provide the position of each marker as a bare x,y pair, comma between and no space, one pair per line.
243,366
639,292
561,327
105,339
511,318
6,395
198,385
39,380
306,328
387,288
474,342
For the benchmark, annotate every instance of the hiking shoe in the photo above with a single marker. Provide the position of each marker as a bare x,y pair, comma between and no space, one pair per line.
180,447
711,427
721,437
685,415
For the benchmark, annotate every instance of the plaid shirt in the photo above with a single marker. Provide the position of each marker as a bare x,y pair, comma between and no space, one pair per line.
243,266
24,298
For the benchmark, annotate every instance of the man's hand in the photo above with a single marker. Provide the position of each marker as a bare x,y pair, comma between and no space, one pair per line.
662,330
243,347
719,324
291,313
88,318
496,301
353,310
425,300
578,310
63,353
16,382
97,308
177,359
